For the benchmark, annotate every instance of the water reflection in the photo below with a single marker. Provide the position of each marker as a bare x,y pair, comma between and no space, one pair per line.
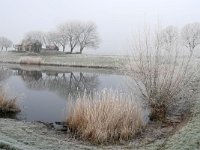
63,83
30,75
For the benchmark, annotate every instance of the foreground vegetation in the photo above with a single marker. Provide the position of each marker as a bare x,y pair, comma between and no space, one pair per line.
7,105
186,137
108,117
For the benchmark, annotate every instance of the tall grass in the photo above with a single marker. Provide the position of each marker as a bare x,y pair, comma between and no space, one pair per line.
107,117
31,60
161,74
7,105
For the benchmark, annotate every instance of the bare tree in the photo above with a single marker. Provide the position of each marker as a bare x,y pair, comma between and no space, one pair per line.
169,37
8,43
73,34
34,36
88,36
63,38
4,42
53,38
1,42
191,35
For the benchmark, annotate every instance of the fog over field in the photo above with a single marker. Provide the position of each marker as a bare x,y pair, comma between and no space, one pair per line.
117,20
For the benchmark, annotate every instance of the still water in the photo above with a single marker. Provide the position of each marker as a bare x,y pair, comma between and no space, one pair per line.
43,93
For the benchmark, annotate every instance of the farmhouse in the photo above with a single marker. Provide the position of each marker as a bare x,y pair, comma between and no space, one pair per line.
52,47
35,46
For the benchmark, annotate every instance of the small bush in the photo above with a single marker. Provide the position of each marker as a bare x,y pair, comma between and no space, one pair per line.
31,60
108,117
7,105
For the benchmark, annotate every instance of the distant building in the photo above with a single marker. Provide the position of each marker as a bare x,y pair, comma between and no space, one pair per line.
18,47
52,47
34,46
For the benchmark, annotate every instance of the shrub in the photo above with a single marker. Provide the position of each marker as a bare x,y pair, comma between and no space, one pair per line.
161,74
7,105
108,117
31,60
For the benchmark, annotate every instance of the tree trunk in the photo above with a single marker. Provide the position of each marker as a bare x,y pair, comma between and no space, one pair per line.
81,50
72,49
63,48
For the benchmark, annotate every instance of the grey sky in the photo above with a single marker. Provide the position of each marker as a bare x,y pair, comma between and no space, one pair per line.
116,19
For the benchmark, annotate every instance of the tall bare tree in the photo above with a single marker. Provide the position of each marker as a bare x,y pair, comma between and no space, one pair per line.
88,36
73,33
191,35
63,38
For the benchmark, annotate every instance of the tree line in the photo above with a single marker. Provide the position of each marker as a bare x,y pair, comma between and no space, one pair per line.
81,35
189,36
71,34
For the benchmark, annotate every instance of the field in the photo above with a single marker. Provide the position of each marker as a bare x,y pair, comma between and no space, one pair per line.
62,59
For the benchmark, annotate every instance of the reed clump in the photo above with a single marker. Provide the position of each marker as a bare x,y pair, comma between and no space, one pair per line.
8,105
31,60
104,117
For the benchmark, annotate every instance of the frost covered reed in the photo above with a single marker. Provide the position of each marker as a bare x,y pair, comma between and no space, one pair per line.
31,60
7,105
106,116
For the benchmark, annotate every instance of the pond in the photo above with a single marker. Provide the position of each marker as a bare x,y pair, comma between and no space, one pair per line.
43,91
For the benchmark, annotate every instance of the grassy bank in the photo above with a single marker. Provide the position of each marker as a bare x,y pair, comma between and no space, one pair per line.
62,59
189,136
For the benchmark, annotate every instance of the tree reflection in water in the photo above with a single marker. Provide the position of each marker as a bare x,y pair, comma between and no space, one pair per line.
64,84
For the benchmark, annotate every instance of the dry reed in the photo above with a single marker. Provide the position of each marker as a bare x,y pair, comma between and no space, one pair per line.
7,105
31,60
107,117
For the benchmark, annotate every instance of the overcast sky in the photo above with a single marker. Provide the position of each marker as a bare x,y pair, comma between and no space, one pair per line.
117,20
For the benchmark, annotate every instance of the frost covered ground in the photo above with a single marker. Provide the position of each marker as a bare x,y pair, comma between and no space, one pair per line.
189,136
